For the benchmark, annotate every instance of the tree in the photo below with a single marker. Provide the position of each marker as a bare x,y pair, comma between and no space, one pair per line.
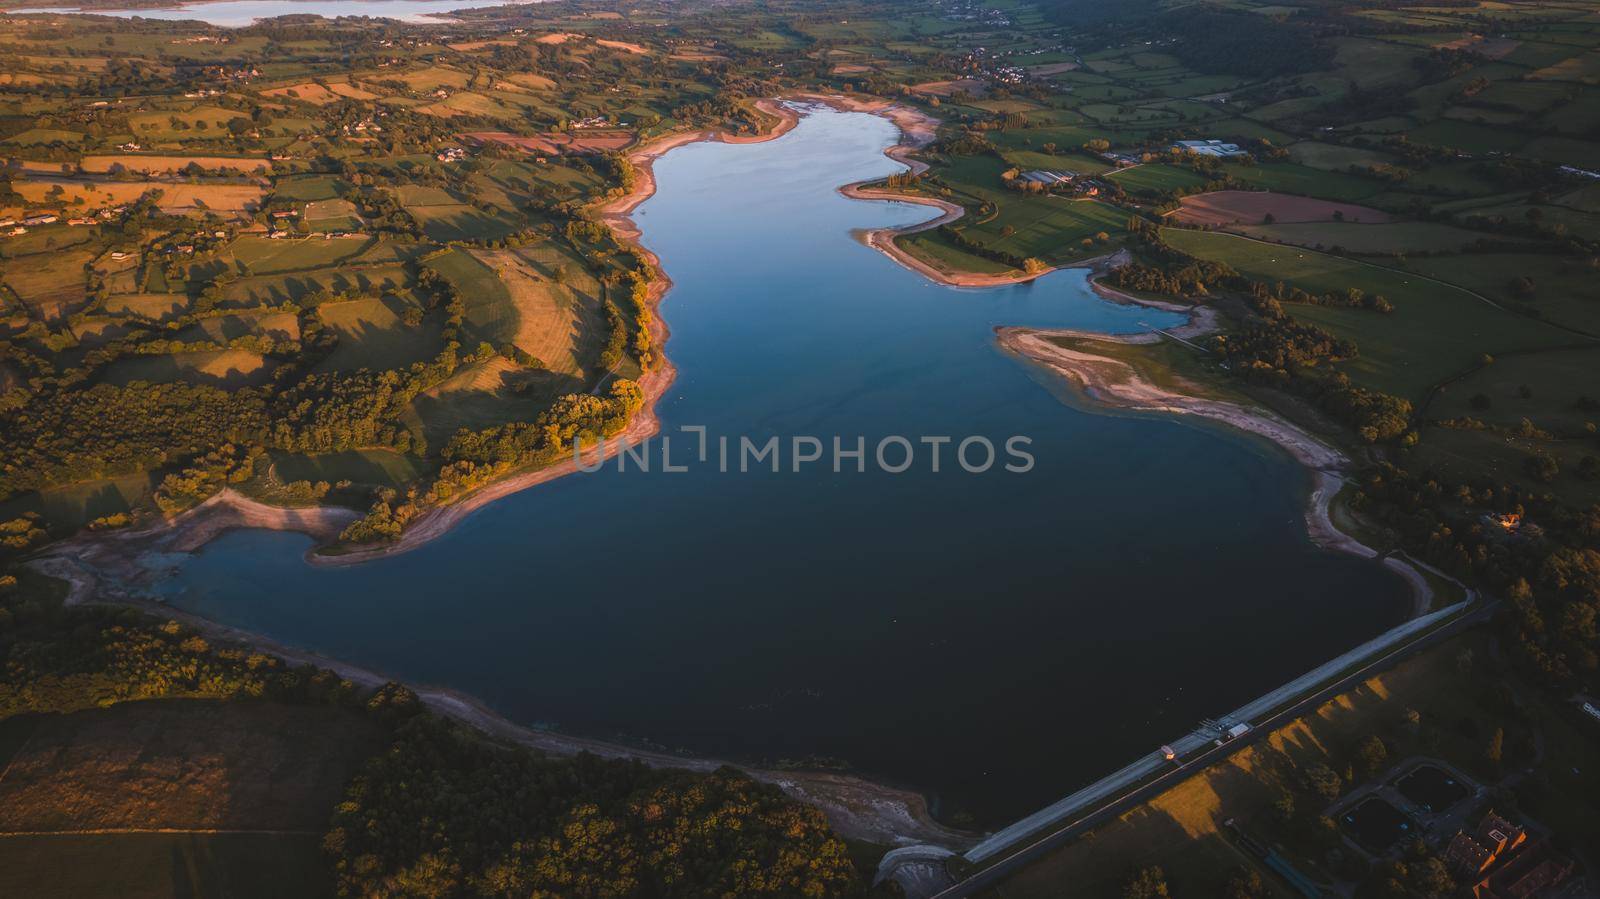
1147,883
1411,720
1373,754
1496,748
1246,883
1541,466
1283,806
1430,878
506,821
1324,781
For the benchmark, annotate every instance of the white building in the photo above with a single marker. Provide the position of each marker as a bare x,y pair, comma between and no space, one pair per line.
1209,148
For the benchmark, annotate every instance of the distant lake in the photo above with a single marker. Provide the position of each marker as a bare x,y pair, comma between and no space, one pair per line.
994,639
240,13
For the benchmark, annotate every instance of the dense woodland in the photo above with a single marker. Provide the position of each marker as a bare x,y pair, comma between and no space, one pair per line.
503,821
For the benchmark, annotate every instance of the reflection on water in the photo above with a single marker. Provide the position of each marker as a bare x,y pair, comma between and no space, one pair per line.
996,639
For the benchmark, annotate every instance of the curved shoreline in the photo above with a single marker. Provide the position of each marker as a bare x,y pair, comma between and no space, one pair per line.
616,213
110,568
917,130
230,510
856,807
1115,384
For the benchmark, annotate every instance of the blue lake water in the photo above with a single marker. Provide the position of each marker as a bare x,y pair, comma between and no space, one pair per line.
240,13
995,640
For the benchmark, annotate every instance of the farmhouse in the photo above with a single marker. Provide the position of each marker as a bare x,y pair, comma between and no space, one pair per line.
1209,148
451,154
40,219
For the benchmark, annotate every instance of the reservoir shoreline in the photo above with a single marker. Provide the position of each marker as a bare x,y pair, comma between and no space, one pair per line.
231,510
1113,384
857,807
102,567
106,569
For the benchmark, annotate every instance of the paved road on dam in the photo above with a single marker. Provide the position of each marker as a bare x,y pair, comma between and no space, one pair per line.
1058,825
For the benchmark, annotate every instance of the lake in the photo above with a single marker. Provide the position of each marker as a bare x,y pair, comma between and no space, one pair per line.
240,13
994,639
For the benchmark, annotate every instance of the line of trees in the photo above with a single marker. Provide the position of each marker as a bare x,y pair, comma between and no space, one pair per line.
446,813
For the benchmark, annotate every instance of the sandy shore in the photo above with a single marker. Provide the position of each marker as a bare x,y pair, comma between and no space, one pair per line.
115,568
917,130
1116,384
230,510
644,424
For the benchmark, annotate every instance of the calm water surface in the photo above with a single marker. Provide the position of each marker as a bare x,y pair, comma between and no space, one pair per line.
239,13
995,639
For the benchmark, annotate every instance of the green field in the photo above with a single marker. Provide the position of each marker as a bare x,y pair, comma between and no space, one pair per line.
1559,391
1334,157
384,468
1566,290
306,188
331,215
35,136
161,865
223,328
1288,177
191,767
72,506
1356,237
1436,330
1156,179
157,306
251,255
483,395
451,223
1474,455
217,368
343,279
372,334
